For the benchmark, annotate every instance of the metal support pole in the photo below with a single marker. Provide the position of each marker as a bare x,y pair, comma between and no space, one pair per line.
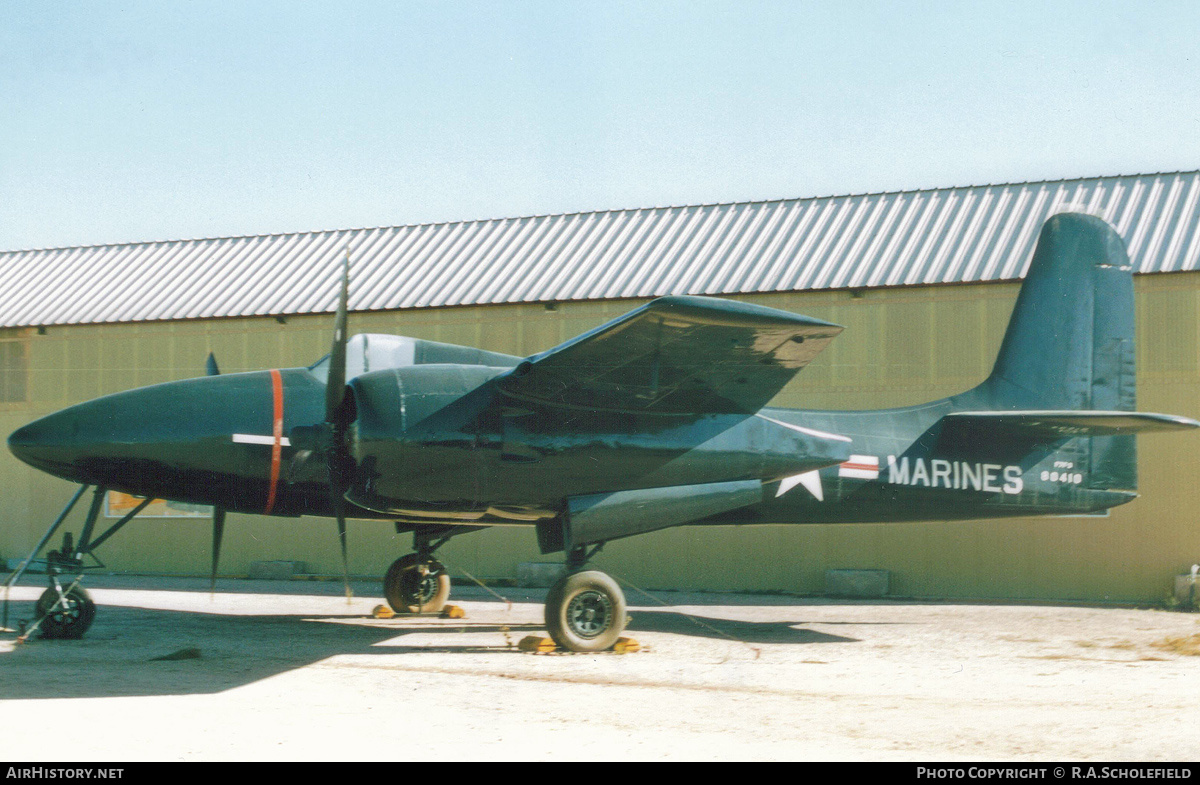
421,545
113,529
16,576
90,524
425,545
579,555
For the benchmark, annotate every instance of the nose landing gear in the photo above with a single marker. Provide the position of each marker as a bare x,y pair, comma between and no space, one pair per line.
66,613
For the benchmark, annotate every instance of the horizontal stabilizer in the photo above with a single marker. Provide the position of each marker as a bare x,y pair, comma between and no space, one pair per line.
1052,426
676,355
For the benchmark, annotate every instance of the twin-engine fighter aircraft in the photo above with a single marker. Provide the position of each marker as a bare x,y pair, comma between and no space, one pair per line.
655,419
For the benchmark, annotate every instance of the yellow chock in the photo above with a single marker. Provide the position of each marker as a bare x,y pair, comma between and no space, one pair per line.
537,644
383,612
453,612
626,646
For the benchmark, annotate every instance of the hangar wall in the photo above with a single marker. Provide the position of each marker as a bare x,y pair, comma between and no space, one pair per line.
902,345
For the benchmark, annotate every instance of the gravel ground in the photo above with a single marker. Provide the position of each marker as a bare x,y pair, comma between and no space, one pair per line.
291,671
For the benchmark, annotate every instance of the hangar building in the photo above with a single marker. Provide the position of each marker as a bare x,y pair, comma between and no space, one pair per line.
923,281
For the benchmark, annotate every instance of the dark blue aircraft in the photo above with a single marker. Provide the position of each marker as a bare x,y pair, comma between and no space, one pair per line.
658,418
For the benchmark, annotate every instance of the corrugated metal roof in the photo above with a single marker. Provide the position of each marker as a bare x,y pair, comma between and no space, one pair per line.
975,233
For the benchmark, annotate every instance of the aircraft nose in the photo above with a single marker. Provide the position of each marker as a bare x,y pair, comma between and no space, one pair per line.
121,436
24,441
51,442
175,440
47,431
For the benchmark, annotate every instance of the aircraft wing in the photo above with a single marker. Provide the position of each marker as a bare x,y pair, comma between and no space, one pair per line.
676,355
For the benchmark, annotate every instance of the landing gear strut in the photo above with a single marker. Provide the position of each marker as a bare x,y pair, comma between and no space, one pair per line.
67,612
585,609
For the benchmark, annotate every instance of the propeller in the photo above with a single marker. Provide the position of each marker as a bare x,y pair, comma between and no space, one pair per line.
218,520
330,436
218,516
335,386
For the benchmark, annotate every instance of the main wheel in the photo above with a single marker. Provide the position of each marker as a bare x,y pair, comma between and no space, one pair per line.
412,586
585,611
69,618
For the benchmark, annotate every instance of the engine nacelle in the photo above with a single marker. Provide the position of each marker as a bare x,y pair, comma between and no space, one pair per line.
414,434
391,403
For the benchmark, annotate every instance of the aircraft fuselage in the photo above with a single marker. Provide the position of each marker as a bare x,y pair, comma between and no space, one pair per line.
224,441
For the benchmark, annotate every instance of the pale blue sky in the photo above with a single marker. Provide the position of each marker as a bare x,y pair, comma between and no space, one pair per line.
125,121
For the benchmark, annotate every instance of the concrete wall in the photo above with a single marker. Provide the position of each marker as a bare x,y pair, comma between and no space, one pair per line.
901,346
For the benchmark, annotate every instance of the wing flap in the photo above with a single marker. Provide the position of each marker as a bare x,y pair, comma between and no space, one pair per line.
676,355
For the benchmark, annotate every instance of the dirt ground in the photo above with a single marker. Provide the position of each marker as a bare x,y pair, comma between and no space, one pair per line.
290,671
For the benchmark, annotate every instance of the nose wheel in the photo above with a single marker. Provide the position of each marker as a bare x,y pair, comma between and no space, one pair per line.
416,585
65,614
585,611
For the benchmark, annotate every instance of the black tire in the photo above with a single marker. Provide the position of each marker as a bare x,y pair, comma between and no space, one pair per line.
410,589
585,611
69,618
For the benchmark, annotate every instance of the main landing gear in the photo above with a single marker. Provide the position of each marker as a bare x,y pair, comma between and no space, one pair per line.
417,582
585,609
416,585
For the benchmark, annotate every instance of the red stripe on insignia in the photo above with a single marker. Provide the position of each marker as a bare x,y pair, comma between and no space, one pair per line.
870,467
277,433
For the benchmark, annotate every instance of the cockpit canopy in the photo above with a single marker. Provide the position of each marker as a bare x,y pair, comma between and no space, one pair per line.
368,352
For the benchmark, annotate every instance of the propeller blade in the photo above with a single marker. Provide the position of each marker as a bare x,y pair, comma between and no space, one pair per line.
335,385
340,508
210,366
338,461
218,532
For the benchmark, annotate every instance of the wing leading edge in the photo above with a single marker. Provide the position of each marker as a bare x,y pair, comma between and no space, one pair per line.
676,355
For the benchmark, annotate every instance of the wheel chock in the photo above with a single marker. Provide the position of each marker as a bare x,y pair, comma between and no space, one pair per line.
626,646
536,644
453,612
383,612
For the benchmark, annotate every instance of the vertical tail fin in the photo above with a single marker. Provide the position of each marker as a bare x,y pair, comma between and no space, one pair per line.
1069,343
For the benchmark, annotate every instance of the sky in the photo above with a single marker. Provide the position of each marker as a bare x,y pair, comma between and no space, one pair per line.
137,121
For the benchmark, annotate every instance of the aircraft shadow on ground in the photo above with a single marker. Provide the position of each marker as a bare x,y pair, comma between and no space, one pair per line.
673,621
120,656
